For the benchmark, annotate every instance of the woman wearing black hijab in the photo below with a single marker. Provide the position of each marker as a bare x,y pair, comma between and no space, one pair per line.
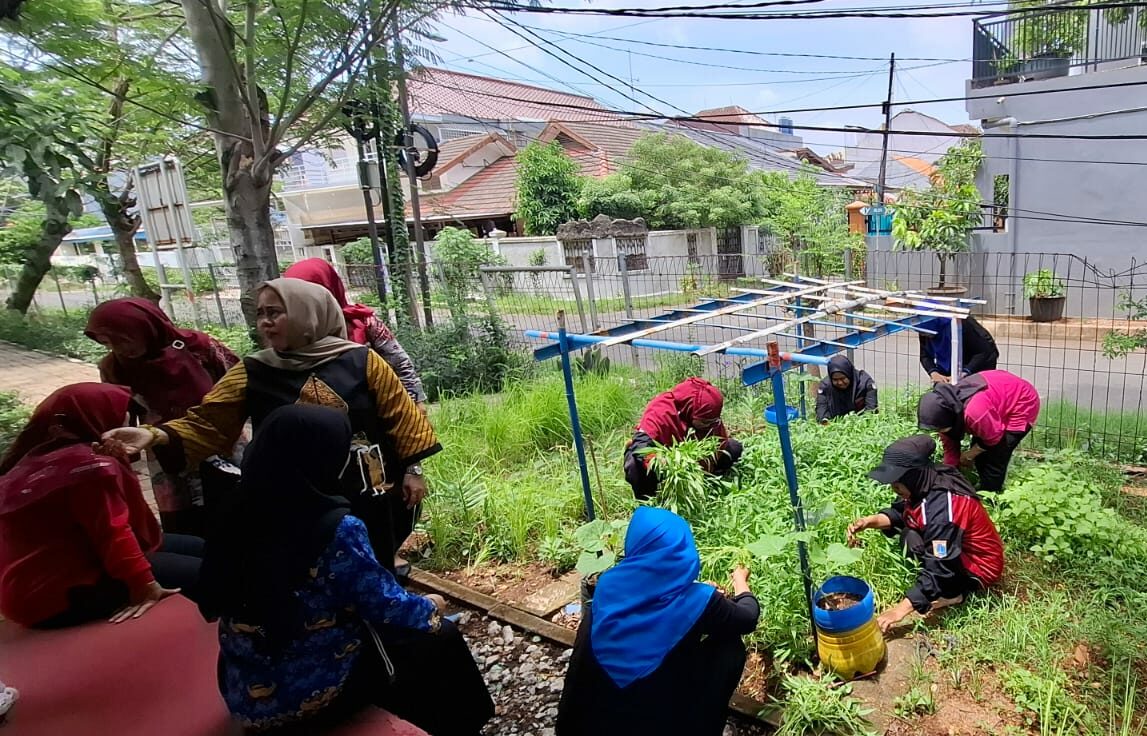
312,627
845,390
943,524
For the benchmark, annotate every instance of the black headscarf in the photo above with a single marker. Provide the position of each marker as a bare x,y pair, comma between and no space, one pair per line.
285,516
943,406
844,401
936,477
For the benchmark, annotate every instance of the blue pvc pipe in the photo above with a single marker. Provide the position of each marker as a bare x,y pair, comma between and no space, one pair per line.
575,421
778,378
680,347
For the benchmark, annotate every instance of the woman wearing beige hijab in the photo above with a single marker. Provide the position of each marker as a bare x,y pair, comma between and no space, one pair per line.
308,360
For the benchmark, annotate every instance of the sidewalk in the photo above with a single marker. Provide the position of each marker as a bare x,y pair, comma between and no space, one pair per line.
35,375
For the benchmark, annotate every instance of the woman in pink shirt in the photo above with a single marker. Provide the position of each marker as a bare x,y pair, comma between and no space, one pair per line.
996,408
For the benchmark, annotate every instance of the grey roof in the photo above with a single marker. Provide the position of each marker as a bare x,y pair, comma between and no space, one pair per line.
760,155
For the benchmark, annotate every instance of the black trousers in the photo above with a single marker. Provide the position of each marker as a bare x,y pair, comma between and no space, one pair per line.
411,680
175,565
992,464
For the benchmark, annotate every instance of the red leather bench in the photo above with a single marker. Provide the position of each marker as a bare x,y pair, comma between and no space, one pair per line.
154,675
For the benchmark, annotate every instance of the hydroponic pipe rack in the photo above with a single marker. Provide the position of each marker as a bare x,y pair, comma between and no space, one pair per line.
855,314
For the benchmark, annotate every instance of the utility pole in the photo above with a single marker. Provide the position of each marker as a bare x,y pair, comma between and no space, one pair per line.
408,145
884,137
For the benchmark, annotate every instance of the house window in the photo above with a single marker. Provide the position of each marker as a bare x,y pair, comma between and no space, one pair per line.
633,248
1001,196
579,254
451,134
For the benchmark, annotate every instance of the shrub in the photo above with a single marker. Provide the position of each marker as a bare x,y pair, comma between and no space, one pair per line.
461,357
13,415
201,281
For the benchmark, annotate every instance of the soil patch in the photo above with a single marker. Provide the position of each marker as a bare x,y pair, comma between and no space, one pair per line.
509,583
837,601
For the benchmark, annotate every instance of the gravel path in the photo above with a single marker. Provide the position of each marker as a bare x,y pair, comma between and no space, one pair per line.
525,674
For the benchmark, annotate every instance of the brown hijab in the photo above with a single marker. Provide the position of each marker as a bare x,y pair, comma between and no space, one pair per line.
316,328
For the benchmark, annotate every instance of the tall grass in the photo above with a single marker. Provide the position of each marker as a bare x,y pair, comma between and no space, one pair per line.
1117,435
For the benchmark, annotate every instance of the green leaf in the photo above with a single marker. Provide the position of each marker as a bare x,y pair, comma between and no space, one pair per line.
768,546
838,555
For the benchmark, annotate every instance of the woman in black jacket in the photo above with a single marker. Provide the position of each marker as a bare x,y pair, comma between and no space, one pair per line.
659,653
979,349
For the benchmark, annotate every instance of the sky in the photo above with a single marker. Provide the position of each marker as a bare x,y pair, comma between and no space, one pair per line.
757,83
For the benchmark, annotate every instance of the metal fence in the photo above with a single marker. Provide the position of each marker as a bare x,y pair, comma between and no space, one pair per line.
1091,400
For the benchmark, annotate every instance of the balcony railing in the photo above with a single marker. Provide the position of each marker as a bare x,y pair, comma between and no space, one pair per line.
1047,42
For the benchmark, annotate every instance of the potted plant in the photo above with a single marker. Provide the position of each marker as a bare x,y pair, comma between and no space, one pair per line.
940,218
601,543
1047,40
1045,292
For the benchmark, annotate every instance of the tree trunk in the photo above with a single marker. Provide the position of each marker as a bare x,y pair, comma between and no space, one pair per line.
246,182
943,269
38,259
124,226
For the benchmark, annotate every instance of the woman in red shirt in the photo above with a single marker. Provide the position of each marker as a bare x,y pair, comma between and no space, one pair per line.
692,408
996,408
77,539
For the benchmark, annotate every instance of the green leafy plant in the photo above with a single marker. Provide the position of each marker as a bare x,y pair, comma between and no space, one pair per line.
547,186
1118,343
684,487
600,543
464,356
459,256
1053,512
918,701
13,416
592,360
821,707
201,281
1057,31
940,217
358,252
1043,284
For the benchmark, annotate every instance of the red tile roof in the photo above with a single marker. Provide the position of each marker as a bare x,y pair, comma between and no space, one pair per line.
444,92
597,149
722,118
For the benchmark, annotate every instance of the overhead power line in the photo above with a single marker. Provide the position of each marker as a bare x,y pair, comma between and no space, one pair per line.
917,11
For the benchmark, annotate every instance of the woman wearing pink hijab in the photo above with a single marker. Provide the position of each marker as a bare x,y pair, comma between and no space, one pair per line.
363,325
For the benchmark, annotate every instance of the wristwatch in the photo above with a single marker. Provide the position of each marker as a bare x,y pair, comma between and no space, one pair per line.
415,469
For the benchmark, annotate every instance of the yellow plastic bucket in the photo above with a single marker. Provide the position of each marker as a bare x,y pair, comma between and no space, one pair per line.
851,653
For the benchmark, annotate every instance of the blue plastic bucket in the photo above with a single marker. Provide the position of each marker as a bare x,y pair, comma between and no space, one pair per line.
850,618
771,413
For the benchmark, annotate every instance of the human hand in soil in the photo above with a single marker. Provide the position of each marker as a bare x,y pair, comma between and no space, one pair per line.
894,615
939,377
740,578
854,528
142,601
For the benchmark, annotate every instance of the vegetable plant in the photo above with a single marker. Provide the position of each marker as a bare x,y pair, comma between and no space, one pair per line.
601,543
1043,284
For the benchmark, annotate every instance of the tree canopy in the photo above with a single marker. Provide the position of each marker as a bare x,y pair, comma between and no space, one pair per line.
548,187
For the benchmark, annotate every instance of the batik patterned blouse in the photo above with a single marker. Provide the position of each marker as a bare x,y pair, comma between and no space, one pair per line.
266,687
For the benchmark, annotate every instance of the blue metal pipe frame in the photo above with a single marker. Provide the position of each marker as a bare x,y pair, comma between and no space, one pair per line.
575,419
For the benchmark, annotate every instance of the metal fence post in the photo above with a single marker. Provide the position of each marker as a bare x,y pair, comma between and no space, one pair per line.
488,288
215,290
588,269
572,273
623,271
95,293
848,277
60,292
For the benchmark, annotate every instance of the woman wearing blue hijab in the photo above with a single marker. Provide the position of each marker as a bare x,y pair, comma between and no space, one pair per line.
659,653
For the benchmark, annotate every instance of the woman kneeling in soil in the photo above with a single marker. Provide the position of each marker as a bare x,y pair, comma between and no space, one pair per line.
691,408
312,627
942,523
844,391
658,652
